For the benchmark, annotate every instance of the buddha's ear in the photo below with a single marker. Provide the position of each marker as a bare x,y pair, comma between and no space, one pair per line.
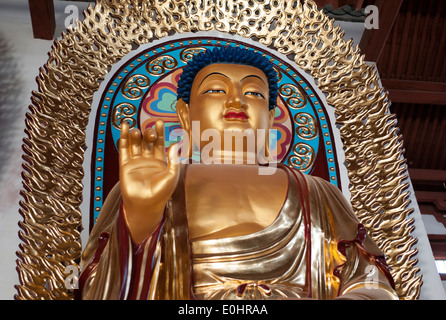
183,115
272,116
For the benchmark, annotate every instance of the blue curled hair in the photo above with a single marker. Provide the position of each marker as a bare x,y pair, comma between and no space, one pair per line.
227,54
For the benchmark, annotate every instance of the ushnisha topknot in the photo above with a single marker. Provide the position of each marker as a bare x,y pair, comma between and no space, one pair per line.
227,54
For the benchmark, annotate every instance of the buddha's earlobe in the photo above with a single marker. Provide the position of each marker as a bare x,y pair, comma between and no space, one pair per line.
272,115
267,144
183,114
184,118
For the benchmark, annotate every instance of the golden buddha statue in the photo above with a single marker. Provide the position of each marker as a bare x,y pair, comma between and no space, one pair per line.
222,228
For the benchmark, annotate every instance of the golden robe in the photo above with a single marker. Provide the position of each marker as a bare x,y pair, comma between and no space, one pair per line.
315,249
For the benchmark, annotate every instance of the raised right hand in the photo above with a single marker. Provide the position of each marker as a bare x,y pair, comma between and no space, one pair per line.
147,178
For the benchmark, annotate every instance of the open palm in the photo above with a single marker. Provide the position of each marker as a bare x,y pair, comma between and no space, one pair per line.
148,178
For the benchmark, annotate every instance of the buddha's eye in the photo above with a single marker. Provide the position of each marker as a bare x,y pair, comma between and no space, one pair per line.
215,91
252,93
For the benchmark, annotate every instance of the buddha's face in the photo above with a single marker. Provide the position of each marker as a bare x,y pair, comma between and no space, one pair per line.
229,97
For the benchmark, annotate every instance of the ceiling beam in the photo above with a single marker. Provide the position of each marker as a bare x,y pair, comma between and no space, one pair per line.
417,97
437,198
414,85
427,175
418,92
42,18
439,250
373,40
438,244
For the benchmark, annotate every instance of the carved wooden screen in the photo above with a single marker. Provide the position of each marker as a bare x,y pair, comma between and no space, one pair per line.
298,39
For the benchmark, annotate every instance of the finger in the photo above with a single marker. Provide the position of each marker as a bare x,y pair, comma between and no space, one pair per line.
124,152
168,180
160,147
149,139
135,143
173,160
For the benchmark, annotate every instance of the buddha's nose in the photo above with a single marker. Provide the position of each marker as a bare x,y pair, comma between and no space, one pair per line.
236,100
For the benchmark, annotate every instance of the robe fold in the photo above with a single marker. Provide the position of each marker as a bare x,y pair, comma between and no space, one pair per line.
315,249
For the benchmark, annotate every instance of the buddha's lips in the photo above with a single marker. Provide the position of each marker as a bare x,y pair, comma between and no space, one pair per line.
236,115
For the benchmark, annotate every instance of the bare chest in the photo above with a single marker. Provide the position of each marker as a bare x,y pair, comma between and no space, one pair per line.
231,200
